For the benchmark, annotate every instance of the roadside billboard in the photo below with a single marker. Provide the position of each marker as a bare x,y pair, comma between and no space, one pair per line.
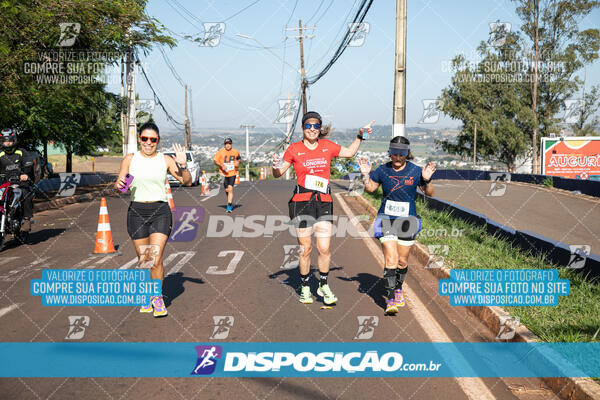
572,157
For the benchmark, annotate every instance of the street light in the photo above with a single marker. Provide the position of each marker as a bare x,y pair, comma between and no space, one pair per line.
247,150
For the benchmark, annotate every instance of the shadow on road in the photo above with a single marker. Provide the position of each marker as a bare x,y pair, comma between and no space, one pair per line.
34,237
293,278
371,285
172,286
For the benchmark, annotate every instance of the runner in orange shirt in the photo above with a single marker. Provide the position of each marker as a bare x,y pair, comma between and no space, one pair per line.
228,161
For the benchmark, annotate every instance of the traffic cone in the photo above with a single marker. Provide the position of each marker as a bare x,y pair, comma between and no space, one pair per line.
237,179
169,195
262,174
204,183
104,240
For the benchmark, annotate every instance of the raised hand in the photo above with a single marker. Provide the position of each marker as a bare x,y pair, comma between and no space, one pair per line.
367,128
180,157
428,170
365,165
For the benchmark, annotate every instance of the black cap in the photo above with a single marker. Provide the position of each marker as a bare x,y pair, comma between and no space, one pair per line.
228,140
312,114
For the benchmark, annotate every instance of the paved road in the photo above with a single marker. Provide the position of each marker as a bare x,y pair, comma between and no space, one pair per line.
559,215
204,280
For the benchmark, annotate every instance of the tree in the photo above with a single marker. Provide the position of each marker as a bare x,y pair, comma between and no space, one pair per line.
73,115
589,121
489,97
557,49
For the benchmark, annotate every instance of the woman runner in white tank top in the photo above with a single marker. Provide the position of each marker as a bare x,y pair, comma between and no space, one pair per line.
149,218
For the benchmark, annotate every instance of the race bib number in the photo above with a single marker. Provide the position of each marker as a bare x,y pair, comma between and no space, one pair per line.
229,167
317,183
397,208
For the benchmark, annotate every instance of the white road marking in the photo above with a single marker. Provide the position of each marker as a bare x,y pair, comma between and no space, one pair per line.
474,388
6,310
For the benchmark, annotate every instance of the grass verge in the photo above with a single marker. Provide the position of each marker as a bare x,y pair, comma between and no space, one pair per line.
577,316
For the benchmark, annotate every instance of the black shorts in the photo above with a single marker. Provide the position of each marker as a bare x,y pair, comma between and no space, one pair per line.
144,219
304,214
229,181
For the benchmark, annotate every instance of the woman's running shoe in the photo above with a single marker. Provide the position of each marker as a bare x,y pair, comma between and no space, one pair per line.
305,296
399,298
325,292
160,310
147,308
391,307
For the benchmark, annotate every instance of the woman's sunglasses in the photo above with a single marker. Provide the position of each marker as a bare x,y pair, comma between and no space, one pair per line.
316,126
146,138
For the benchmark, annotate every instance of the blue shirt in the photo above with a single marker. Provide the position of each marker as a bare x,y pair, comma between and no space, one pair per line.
398,185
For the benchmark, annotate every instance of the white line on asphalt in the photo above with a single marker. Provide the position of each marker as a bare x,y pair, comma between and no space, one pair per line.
474,388
6,310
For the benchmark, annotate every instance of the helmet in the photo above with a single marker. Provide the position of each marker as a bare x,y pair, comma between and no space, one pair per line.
9,135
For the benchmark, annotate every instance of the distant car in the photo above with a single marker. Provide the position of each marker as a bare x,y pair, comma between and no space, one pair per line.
192,165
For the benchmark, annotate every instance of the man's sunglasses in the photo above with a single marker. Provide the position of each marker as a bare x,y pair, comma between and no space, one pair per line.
308,126
146,138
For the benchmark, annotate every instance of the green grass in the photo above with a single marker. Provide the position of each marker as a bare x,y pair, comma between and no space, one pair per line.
575,319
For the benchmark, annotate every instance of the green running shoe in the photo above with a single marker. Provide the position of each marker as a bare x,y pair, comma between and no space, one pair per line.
305,296
325,292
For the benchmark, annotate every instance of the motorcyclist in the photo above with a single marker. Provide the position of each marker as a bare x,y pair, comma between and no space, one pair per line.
17,166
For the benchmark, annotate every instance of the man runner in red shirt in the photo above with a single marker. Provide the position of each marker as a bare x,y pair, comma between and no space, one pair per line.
311,207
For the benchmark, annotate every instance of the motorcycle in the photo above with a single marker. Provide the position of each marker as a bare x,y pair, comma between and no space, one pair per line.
11,211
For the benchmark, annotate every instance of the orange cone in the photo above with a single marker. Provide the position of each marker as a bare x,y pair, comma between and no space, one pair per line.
104,240
169,195
237,179
262,174
204,183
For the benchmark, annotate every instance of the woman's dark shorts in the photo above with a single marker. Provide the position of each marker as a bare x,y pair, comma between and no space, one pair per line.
144,219
304,214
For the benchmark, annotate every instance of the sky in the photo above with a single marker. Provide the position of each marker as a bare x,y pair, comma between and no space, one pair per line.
238,81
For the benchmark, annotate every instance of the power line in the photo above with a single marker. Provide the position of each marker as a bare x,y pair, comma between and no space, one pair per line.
242,10
293,10
358,18
157,99
171,67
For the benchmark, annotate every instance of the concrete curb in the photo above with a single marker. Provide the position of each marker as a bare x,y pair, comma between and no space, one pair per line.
565,388
62,201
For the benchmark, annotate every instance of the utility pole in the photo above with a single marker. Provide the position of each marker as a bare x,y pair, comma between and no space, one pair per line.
300,38
400,71
247,150
123,115
287,133
187,133
475,147
131,103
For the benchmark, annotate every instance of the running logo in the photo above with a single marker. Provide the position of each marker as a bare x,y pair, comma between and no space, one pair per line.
68,183
579,254
366,326
207,359
508,327
356,186
186,223
77,325
287,109
573,111
68,33
431,111
436,255
498,33
212,34
358,33
148,254
291,256
498,186
223,324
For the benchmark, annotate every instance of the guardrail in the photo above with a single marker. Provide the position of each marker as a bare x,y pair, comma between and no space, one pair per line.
591,188
554,251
